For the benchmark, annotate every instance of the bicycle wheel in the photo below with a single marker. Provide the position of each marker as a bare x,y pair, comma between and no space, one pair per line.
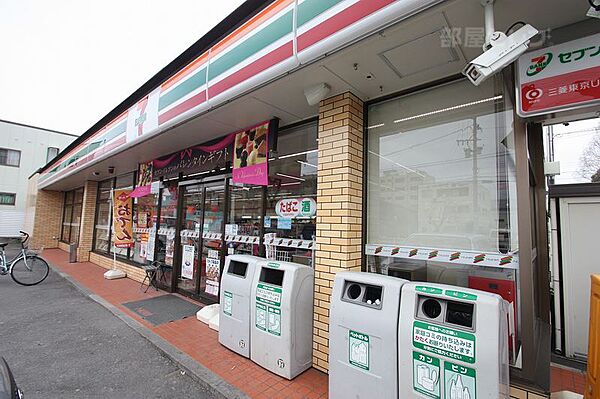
30,271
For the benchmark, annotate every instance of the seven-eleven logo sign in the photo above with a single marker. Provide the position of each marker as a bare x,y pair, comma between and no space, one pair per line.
139,121
538,64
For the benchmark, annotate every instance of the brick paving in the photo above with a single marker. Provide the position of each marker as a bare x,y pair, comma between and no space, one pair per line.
201,343
193,337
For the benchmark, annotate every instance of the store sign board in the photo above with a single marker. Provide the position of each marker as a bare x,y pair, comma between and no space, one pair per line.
200,158
559,78
122,219
251,149
290,208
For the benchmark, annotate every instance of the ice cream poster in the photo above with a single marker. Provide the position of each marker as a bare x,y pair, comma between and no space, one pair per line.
250,162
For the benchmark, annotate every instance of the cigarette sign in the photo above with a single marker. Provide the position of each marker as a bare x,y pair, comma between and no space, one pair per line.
559,78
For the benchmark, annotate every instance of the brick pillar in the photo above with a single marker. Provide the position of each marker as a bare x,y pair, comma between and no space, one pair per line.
339,207
88,217
47,218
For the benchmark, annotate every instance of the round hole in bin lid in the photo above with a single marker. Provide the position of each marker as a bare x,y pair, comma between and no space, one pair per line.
353,291
431,308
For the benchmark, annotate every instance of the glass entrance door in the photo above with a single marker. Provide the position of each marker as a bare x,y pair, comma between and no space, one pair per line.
200,250
212,239
189,248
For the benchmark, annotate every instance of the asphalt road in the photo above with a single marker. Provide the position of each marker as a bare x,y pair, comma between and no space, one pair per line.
61,344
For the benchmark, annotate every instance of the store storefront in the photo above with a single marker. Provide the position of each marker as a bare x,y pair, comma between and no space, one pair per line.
193,214
381,158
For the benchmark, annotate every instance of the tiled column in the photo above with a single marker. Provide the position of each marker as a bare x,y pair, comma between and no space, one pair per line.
339,207
47,218
88,216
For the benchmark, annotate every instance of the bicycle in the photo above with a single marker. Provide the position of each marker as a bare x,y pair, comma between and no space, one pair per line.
25,268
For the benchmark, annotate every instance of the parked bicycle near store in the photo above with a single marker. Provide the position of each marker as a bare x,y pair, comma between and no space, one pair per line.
25,268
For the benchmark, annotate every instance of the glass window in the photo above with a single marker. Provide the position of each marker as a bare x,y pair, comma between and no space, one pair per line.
10,157
72,216
442,188
51,153
245,217
145,214
7,198
576,146
103,220
293,178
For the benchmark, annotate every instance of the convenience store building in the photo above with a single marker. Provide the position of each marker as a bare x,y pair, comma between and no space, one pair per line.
393,161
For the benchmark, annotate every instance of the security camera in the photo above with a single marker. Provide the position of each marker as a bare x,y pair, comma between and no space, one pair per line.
96,173
499,50
111,170
316,93
503,50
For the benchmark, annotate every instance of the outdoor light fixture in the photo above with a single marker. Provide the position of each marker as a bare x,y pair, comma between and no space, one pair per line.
499,49
290,177
316,93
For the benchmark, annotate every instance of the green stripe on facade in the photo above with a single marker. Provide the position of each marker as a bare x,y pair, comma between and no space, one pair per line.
268,35
184,88
312,8
111,134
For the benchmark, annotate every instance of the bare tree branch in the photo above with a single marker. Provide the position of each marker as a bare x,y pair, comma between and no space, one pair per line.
590,159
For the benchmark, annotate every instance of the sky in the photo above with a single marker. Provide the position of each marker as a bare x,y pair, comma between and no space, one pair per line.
64,64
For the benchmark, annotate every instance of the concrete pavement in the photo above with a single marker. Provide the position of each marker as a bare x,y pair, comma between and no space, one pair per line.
61,344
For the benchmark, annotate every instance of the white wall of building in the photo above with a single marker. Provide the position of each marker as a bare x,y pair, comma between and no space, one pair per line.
33,143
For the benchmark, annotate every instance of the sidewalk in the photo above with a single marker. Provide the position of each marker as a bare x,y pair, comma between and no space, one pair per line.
192,337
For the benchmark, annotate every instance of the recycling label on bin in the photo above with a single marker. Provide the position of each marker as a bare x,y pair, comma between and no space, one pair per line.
274,320
426,375
268,312
358,349
444,341
459,382
268,294
227,303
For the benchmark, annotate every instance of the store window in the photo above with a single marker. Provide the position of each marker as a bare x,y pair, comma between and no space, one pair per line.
145,217
245,217
292,194
71,220
441,204
103,221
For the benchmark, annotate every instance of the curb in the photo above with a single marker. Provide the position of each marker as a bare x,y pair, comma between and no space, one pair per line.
205,377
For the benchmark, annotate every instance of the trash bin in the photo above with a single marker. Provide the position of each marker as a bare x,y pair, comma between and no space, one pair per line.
282,314
73,252
453,343
236,288
363,336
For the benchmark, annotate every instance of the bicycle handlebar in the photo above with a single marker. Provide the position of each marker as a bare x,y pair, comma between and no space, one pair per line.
24,239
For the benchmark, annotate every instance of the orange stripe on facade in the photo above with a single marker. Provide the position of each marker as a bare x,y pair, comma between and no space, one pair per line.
184,72
250,25
233,37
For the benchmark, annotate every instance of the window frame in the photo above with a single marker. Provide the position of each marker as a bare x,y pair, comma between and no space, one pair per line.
18,165
69,200
48,159
14,199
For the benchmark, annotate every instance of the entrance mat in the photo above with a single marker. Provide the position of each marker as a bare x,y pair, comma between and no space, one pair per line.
163,309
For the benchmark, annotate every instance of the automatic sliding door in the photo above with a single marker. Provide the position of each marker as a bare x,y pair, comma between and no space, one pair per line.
187,278
212,243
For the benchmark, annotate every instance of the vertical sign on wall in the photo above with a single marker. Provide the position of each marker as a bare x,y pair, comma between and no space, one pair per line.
251,148
122,219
